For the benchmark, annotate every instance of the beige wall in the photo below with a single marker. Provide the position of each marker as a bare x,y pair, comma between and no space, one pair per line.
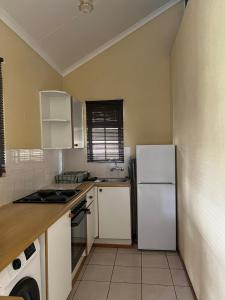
25,73
198,72
136,69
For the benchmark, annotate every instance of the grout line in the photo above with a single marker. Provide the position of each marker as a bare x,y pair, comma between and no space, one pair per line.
161,268
112,273
126,266
132,283
171,277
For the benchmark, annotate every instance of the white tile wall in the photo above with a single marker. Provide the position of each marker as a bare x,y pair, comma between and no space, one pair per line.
28,171
76,159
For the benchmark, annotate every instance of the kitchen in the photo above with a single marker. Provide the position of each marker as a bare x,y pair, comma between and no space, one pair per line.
141,105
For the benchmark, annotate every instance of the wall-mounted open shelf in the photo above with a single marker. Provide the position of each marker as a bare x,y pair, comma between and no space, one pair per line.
56,126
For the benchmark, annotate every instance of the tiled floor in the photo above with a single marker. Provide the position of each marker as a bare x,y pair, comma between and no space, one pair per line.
130,274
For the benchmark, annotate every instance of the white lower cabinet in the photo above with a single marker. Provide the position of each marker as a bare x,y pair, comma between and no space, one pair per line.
92,219
59,259
114,213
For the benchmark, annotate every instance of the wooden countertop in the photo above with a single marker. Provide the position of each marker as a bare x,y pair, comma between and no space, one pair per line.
21,224
10,298
113,184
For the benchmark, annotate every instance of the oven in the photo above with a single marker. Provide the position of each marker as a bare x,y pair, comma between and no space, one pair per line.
78,231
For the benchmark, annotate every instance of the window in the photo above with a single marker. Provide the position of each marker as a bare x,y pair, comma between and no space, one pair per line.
105,131
2,142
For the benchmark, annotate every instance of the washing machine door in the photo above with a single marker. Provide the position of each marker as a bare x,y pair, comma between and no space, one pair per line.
27,288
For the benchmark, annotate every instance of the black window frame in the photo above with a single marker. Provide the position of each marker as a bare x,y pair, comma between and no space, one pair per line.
2,135
104,120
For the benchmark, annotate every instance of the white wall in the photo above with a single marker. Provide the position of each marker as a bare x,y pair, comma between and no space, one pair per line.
198,72
28,171
76,160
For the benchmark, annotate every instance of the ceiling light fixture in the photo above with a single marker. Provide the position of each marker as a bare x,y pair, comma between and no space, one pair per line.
86,6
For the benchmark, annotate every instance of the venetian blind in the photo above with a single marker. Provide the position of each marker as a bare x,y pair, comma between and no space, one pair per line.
105,142
2,141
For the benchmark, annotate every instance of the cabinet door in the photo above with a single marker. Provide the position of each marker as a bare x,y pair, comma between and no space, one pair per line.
114,213
78,128
91,222
59,259
92,197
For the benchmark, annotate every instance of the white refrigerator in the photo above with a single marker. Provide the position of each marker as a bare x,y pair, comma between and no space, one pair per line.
156,197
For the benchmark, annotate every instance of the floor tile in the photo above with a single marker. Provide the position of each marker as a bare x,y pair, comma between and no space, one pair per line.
156,276
184,293
106,259
92,290
126,274
98,273
132,250
105,250
168,253
147,252
157,292
175,262
82,272
179,278
88,258
124,291
128,260
154,261
75,287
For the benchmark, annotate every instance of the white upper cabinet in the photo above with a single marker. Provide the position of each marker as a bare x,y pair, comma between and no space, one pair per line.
78,120
56,123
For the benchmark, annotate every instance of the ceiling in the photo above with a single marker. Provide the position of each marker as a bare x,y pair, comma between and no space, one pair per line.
65,37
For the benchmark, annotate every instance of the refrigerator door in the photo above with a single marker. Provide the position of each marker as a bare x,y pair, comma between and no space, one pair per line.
156,217
155,163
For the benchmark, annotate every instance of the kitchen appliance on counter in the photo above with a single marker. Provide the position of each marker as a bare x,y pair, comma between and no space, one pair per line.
50,196
72,177
22,277
156,197
78,231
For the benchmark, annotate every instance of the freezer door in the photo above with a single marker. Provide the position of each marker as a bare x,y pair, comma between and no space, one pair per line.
155,164
156,217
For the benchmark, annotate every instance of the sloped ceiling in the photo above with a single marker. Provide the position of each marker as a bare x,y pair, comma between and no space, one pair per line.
65,37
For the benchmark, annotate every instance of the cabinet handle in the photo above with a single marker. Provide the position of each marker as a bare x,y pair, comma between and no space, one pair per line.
90,197
100,190
71,215
75,145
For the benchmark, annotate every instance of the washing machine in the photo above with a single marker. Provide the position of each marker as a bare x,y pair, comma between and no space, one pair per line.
23,276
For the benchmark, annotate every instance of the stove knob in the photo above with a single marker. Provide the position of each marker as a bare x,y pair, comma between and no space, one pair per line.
16,264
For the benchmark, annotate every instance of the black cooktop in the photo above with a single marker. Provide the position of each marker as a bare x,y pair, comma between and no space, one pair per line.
50,196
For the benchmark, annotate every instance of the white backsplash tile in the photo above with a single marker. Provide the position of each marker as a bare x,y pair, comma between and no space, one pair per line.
27,171
76,160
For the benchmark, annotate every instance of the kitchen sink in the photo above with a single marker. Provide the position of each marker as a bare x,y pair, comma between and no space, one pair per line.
112,180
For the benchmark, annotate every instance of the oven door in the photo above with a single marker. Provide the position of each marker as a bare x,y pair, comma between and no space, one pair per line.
78,236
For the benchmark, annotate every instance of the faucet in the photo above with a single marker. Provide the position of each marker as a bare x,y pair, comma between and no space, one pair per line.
117,168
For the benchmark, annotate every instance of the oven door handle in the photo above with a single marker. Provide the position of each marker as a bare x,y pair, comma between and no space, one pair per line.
75,221
87,211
